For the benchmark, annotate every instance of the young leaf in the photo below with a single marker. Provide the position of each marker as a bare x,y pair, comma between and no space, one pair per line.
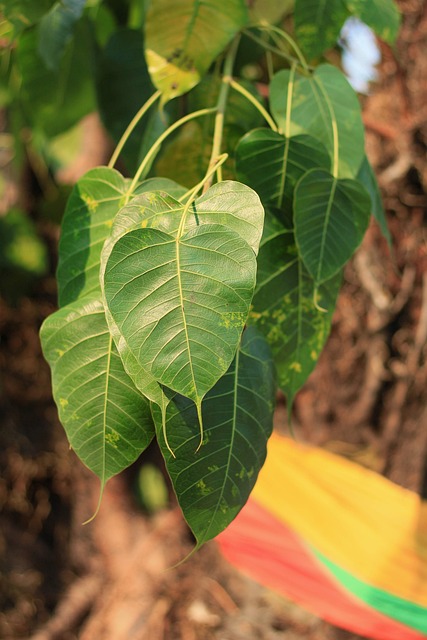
325,107
381,15
94,202
213,484
272,164
367,177
108,422
318,24
184,37
56,30
331,217
283,308
180,302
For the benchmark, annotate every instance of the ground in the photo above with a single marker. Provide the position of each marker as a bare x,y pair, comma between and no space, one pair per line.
365,400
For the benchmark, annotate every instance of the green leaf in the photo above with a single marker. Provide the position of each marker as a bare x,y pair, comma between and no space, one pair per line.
367,177
381,15
283,307
213,484
312,105
184,37
181,301
123,85
108,422
272,164
55,101
93,204
318,24
331,217
24,13
56,30
227,203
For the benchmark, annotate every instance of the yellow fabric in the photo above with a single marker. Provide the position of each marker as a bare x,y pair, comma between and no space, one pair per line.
361,521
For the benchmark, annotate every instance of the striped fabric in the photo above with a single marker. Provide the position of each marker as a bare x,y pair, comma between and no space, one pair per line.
340,540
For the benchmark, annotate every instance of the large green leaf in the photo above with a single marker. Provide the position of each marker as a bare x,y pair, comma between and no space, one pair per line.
55,101
318,24
91,209
184,37
315,105
331,217
367,177
272,164
108,422
123,85
228,203
213,484
381,15
283,307
56,30
181,301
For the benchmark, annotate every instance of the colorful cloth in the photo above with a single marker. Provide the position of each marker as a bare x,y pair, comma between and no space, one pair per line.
340,540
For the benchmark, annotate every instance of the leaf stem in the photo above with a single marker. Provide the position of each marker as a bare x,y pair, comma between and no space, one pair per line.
289,101
256,103
271,28
220,112
152,152
335,134
191,193
131,126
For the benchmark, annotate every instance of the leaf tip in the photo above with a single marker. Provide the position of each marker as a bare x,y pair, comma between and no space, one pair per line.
98,506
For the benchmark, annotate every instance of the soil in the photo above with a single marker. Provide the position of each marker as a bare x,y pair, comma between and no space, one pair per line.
112,579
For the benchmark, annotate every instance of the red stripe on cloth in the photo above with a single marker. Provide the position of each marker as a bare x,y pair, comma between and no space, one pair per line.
266,550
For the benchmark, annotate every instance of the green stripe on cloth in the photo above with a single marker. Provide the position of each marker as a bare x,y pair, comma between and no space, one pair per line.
411,614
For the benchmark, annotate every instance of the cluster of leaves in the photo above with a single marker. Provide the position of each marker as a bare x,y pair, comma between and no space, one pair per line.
185,298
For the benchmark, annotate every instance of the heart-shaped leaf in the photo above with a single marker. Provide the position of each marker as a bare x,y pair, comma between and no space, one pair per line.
94,202
283,307
181,302
324,106
213,484
108,422
331,217
185,36
272,164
